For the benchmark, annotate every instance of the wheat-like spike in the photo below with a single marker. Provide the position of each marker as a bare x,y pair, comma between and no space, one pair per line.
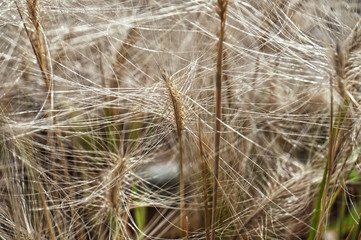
339,65
176,102
179,122
32,7
123,55
37,49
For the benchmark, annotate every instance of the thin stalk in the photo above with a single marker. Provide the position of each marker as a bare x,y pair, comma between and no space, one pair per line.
205,185
328,171
181,179
358,232
222,12
187,228
316,215
46,211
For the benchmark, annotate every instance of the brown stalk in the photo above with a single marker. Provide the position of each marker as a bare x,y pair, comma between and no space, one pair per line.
222,12
114,189
116,176
205,185
351,230
46,210
178,115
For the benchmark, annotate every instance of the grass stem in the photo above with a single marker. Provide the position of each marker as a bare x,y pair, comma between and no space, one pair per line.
205,180
222,11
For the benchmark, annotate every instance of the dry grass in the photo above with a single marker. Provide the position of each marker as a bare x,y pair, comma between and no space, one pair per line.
180,119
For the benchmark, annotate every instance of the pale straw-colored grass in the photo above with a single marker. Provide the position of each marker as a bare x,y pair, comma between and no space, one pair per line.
113,127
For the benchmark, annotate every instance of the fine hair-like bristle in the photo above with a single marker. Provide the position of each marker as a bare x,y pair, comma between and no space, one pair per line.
163,119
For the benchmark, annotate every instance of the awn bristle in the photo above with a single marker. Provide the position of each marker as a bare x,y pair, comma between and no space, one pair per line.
259,117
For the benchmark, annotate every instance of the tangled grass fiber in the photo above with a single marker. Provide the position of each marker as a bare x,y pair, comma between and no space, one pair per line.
162,119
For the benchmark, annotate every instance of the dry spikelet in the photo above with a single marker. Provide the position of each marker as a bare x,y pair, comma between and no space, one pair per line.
339,65
35,35
116,177
179,123
32,6
176,102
